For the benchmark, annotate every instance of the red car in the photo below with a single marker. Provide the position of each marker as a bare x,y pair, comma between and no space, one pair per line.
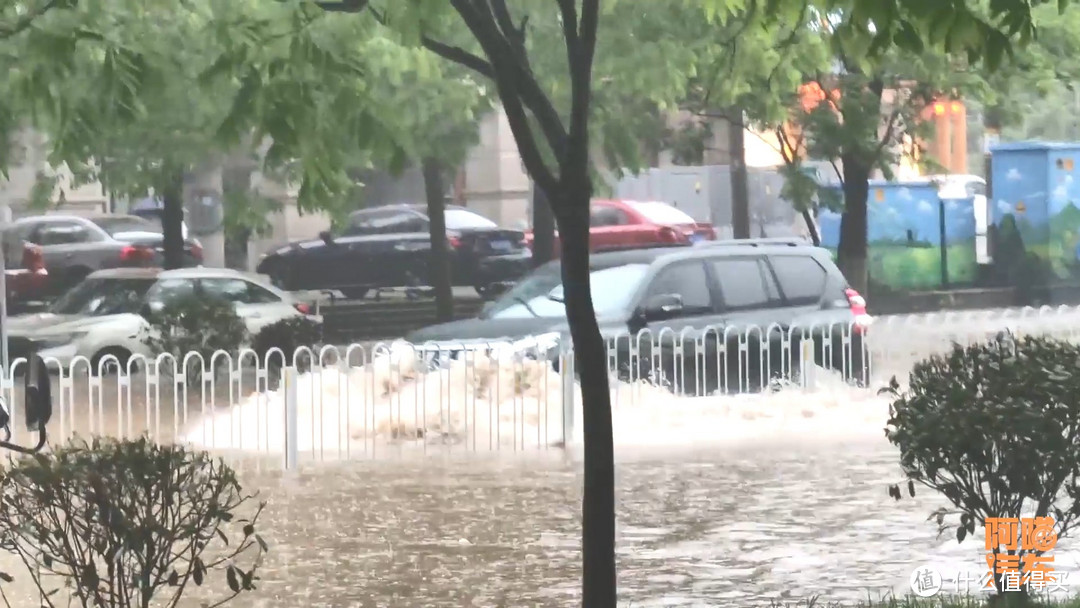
26,278
620,224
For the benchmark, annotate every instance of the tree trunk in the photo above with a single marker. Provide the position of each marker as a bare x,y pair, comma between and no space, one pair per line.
439,265
811,227
543,221
172,216
590,360
740,189
852,250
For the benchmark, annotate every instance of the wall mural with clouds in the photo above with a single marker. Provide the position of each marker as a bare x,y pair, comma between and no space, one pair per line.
1036,204
904,236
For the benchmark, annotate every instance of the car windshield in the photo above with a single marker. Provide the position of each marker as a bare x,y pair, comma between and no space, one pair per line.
96,297
661,213
120,224
460,219
541,294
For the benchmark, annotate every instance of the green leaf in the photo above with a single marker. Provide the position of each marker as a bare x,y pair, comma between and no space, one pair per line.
233,580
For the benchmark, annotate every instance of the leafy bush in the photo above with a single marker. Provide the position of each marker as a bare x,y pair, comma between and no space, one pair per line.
287,335
123,523
994,427
194,324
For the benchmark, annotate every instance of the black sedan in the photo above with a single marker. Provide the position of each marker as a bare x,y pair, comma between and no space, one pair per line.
390,246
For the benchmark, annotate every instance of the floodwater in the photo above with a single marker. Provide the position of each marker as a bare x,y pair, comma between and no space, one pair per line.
446,490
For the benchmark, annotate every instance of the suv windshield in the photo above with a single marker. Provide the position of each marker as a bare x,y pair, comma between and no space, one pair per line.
98,297
612,289
661,213
120,224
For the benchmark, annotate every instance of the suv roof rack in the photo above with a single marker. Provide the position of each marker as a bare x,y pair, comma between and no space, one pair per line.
789,241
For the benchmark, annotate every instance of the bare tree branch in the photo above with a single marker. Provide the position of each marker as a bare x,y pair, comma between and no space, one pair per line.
508,81
459,56
344,6
515,35
533,97
581,83
568,14
886,137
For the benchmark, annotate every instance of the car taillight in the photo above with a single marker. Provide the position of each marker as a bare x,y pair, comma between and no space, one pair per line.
304,309
33,259
453,241
196,251
858,308
132,253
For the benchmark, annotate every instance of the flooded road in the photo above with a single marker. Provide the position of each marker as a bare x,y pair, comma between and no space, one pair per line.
445,490
705,528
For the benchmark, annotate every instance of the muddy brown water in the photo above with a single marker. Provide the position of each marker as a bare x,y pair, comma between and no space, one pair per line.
702,523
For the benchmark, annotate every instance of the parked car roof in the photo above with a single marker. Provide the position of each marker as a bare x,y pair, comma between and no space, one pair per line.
126,273
50,217
648,255
115,216
417,207
180,273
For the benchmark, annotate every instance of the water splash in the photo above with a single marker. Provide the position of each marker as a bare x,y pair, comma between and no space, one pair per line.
499,404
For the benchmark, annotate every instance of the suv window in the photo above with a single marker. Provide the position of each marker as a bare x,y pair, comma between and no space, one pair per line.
260,295
687,280
167,291
745,283
607,216
389,221
802,279
62,233
237,291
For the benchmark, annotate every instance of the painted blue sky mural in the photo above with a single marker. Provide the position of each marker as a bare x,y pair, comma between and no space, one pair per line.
902,212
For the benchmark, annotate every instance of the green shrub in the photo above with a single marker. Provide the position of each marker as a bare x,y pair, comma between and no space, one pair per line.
994,427
288,335
128,523
196,324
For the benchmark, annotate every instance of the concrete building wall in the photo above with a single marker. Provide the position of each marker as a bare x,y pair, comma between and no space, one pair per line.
15,191
491,181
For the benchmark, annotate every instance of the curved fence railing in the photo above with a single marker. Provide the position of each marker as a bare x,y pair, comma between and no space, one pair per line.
336,403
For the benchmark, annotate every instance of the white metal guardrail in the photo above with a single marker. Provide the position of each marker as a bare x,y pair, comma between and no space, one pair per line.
358,402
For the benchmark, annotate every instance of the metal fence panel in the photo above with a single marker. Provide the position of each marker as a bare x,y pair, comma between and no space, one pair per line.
502,396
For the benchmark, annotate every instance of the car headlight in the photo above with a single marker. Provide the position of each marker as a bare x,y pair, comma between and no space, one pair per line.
57,340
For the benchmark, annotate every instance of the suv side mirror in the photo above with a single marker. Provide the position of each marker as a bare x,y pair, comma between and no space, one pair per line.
326,237
662,306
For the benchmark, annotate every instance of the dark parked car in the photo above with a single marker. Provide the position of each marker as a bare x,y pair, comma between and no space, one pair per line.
74,246
390,246
690,301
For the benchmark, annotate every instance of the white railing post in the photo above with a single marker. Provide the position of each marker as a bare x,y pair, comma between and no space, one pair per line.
292,433
566,371
807,366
